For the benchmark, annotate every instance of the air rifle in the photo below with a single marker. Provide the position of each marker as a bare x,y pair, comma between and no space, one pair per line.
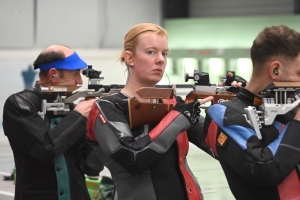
282,98
67,95
203,88
141,113
155,110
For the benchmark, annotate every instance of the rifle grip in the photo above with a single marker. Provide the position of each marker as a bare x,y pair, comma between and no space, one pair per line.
146,113
194,95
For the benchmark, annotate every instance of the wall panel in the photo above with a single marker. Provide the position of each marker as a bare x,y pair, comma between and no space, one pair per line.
16,24
71,22
75,23
221,8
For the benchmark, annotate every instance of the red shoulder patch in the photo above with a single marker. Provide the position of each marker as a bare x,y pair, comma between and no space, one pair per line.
94,113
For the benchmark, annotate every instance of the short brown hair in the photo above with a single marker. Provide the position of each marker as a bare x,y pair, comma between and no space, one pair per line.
275,41
48,57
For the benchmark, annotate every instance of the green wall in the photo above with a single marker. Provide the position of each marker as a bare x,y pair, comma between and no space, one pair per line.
216,45
222,33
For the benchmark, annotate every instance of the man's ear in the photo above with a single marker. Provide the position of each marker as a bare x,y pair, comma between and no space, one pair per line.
275,69
52,74
128,56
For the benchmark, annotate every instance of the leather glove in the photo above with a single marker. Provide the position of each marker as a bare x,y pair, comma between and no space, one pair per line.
191,110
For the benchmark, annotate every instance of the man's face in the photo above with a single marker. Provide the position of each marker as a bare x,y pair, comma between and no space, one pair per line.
69,78
291,72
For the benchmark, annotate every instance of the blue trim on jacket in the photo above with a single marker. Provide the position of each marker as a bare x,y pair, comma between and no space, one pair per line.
239,133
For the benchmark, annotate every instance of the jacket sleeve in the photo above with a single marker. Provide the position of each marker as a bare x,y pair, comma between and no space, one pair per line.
109,126
27,131
258,162
89,163
196,136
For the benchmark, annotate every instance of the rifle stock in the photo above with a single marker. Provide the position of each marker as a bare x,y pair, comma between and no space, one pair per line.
217,96
141,113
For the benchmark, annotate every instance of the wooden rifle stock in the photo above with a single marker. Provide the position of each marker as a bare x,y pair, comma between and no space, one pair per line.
220,95
141,113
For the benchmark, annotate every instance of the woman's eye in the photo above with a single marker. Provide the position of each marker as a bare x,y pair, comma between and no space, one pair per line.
150,52
165,54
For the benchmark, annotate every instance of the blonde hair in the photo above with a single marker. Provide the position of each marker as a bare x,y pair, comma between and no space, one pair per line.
131,39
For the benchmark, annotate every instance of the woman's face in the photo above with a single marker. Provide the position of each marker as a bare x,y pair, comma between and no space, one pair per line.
150,58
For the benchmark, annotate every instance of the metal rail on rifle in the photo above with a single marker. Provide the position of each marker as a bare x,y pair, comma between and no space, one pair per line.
203,88
282,97
66,96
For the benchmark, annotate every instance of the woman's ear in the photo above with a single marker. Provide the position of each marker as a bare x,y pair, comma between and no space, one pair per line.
128,56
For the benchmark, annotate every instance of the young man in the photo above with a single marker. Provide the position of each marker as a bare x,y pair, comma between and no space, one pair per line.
266,168
51,155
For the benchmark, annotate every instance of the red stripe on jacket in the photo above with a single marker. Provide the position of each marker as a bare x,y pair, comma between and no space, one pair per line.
94,113
191,187
211,137
289,189
168,119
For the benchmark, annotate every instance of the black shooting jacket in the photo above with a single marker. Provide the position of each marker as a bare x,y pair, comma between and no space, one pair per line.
51,155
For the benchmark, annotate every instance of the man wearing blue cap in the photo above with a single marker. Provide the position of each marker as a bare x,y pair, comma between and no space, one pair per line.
51,155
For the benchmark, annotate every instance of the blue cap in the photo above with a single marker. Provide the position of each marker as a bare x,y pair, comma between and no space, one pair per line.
72,62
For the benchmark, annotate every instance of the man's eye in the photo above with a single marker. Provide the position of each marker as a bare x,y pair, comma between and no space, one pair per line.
150,52
165,54
77,72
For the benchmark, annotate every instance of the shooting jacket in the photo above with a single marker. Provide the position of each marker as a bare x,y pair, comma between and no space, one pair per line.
148,162
255,169
51,155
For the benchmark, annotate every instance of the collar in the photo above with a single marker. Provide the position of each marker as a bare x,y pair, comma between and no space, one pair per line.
248,97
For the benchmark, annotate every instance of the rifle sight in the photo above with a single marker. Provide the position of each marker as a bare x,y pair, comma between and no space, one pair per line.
91,73
202,78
